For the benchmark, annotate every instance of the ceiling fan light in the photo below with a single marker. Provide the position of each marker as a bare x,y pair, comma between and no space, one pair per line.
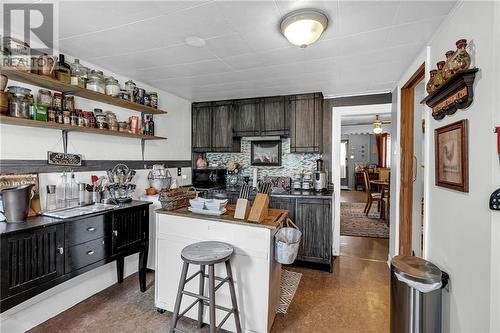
303,27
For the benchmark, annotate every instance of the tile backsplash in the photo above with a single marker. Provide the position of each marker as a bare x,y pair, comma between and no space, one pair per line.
290,162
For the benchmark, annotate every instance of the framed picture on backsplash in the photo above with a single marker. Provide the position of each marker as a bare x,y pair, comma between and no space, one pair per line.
266,153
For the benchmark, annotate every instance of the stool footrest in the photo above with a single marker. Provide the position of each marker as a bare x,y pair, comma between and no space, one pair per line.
188,308
221,283
188,293
215,277
224,320
193,276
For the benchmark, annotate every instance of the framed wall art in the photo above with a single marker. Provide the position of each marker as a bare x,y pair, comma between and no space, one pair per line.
266,153
452,156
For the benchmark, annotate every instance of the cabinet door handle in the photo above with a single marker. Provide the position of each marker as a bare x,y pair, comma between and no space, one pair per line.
115,233
91,252
60,250
91,229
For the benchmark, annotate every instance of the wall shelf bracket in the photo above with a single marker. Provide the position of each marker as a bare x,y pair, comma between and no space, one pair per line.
65,140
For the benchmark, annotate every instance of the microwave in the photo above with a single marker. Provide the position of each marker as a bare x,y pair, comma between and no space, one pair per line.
209,178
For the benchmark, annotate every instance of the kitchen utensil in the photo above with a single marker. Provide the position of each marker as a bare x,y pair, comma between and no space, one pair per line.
4,102
16,202
3,82
320,178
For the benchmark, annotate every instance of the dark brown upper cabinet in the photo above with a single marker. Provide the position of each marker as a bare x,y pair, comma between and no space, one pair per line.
201,115
247,117
306,129
212,127
274,117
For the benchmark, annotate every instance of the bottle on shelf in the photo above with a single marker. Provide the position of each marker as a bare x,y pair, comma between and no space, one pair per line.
151,126
74,193
63,72
50,201
78,74
62,191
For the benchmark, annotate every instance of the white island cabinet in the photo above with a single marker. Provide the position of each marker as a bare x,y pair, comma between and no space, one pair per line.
256,274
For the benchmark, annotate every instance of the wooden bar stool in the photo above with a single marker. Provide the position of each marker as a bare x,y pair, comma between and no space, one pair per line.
206,254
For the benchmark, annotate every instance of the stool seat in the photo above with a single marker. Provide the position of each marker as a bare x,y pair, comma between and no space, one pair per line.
207,253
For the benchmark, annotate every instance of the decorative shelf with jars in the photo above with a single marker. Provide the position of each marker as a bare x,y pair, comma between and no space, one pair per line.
450,86
48,82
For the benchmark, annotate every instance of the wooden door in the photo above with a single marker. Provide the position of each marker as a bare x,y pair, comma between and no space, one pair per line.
201,127
222,127
408,168
247,117
30,259
313,217
306,127
274,118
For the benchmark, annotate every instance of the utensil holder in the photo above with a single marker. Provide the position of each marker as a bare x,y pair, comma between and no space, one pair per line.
242,209
259,208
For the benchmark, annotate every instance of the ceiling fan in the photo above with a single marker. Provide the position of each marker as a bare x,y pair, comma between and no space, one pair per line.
377,124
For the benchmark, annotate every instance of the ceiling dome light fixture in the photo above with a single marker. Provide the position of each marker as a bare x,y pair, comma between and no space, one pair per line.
303,27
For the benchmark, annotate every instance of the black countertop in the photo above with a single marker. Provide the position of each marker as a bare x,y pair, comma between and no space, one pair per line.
44,221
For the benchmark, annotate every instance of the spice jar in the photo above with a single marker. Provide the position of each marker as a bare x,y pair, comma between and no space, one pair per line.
124,94
52,115
81,119
112,86
69,102
74,118
59,117
153,99
57,101
96,81
67,117
44,97
147,101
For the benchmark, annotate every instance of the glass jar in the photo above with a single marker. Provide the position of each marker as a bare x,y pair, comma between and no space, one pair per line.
96,82
57,101
147,101
124,94
112,86
44,97
69,102
19,104
153,99
78,74
74,118
130,86
430,85
461,60
59,117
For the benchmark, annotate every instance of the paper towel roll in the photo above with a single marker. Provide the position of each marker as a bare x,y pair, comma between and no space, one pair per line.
254,179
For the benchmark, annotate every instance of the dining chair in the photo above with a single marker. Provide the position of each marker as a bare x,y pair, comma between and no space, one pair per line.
370,196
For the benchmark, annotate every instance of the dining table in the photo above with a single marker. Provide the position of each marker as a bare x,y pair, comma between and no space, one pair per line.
381,185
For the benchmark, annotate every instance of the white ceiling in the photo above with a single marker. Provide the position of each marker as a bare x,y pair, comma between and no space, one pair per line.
362,119
366,48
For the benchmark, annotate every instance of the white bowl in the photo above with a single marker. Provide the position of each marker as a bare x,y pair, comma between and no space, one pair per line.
197,203
215,204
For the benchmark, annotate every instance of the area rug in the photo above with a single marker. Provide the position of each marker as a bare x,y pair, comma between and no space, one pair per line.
353,222
289,284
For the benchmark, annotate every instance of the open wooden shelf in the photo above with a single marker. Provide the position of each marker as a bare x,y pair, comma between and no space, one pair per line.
53,84
69,128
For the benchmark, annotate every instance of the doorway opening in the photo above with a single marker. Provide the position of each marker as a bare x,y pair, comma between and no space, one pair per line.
361,211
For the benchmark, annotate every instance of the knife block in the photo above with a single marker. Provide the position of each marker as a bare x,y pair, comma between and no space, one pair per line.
242,209
259,208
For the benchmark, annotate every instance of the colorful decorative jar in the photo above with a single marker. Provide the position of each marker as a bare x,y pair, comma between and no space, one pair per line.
438,77
461,60
448,70
430,85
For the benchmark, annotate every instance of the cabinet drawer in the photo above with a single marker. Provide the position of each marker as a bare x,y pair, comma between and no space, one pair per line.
84,230
79,256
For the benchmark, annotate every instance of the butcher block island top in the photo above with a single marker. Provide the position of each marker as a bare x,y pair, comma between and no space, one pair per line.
274,219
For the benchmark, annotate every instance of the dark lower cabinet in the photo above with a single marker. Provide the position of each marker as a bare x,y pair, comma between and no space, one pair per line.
29,259
314,218
42,254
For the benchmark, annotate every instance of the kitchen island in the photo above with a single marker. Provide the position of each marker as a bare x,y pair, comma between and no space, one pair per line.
256,274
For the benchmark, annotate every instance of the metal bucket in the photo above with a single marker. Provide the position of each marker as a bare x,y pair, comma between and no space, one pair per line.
16,203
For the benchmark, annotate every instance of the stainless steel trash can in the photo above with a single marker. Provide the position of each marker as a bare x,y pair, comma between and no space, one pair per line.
413,310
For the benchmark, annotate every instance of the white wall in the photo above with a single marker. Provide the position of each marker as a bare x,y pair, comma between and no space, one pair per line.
458,225
18,142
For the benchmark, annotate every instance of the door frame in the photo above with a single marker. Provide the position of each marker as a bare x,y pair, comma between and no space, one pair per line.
407,160
346,165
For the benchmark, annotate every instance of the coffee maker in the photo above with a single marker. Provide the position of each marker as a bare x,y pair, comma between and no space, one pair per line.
320,179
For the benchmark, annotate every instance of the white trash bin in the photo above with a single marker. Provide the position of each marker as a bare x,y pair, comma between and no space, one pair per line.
286,243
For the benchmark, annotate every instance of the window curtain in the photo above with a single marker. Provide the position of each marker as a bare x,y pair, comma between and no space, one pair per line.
382,149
